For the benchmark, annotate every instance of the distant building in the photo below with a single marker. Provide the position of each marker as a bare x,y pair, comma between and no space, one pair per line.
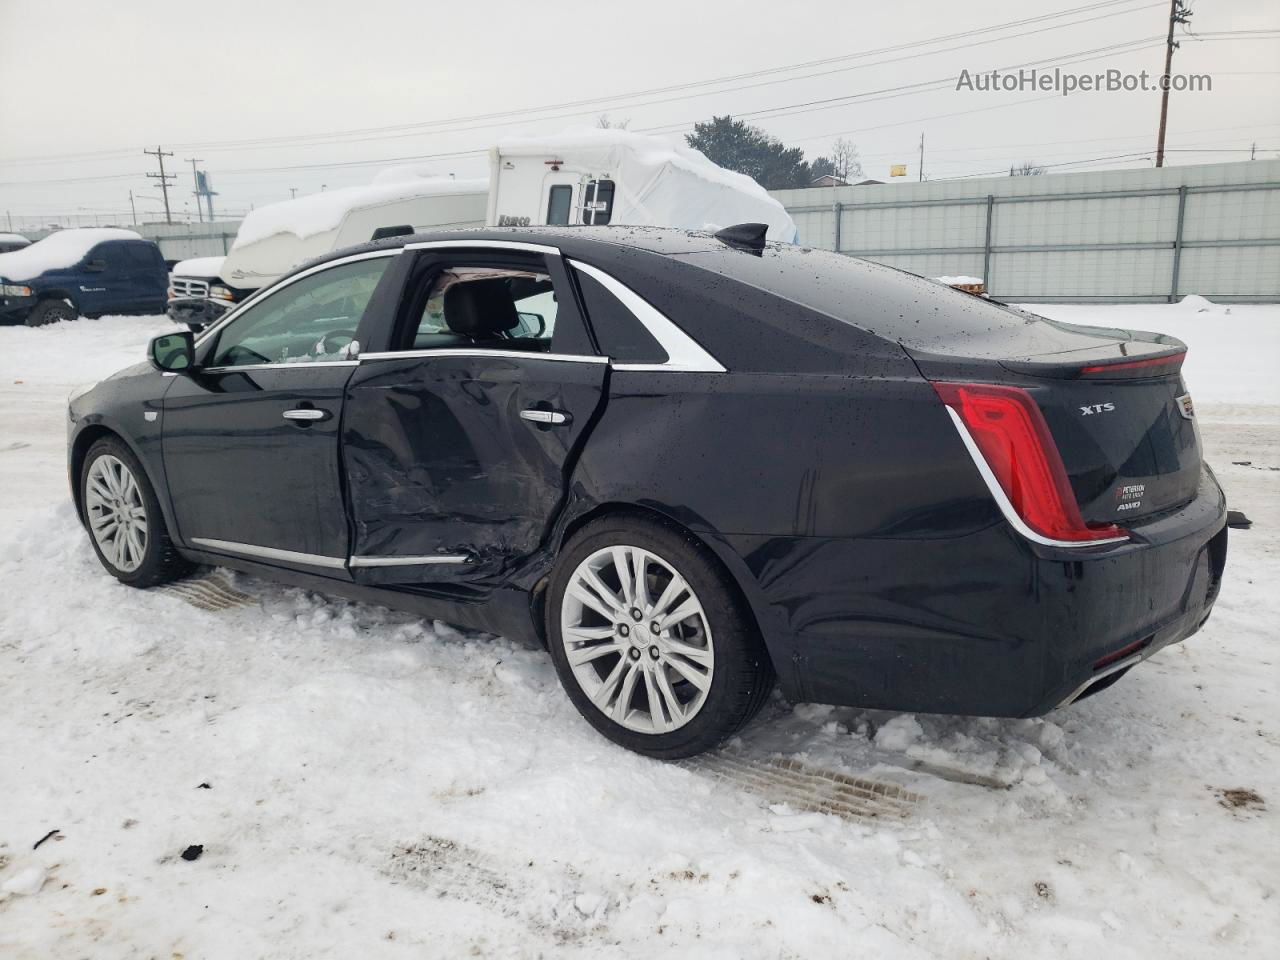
829,180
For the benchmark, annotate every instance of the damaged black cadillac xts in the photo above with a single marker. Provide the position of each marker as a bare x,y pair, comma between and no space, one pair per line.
691,465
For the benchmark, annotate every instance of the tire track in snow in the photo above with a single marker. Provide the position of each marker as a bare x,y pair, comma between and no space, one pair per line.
810,789
210,591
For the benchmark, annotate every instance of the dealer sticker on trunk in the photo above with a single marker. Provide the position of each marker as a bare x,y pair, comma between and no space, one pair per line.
1129,496
1185,406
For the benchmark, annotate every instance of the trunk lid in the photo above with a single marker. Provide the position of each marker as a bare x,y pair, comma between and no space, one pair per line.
1114,401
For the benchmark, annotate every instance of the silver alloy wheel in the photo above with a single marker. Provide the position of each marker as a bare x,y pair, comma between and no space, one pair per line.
637,639
117,515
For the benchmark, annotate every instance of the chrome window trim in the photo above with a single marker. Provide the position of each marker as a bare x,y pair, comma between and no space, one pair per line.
409,561
1002,501
683,352
477,352
304,364
273,288
520,245
271,553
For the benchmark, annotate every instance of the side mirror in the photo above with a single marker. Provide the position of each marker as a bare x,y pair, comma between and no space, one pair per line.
95,266
535,323
173,352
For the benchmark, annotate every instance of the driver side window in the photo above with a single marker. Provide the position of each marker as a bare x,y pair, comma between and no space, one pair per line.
311,320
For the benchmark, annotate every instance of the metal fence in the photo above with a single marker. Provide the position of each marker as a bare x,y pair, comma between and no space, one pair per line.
1115,236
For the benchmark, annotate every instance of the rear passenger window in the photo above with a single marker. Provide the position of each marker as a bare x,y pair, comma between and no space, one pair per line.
621,336
559,204
490,308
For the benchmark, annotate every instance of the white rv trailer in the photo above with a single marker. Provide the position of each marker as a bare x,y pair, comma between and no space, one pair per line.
612,176
577,178
274,239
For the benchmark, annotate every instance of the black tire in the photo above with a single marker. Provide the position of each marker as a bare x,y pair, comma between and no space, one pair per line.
743,674
161,562
51,311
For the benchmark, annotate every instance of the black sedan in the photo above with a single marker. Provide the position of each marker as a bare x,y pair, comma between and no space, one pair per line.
691,465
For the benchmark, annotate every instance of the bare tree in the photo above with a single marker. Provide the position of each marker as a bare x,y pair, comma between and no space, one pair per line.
604,123
844,160
1026,169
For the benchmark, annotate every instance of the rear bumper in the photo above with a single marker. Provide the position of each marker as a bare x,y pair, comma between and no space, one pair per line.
199,311
985,624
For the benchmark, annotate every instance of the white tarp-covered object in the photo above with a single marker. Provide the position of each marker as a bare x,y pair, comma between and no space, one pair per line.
656,182
274,239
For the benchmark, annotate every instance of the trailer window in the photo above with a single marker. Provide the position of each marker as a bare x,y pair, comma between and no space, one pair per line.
597,204
559,204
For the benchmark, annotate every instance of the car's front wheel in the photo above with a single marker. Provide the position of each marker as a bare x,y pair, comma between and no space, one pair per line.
51,311
651,641
124,519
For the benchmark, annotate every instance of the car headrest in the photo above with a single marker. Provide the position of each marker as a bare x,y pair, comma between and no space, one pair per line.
480,309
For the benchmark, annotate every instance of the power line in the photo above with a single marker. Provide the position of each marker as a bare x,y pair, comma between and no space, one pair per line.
398,129
482,121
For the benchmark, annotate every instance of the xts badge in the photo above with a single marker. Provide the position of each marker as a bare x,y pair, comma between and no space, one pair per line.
1097,408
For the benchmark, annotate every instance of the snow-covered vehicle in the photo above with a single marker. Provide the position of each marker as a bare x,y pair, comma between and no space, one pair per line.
599,177
83,272
12,241
275,239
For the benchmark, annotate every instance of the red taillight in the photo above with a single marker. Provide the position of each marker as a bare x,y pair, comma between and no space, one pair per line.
1171,364
1014,440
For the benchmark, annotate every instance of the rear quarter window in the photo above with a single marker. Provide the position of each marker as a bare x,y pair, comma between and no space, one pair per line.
620,335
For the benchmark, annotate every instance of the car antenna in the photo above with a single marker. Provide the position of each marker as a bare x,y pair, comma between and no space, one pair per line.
744,236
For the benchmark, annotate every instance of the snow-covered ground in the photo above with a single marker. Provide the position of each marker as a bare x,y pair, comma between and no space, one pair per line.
358,783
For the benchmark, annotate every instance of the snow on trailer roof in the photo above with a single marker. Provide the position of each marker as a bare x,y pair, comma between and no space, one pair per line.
658,182
13,238
315,214
64,248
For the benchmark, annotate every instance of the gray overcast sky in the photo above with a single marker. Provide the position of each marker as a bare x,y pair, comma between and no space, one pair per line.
99,81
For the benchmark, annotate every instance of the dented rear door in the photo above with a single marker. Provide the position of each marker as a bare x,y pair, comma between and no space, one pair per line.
457,461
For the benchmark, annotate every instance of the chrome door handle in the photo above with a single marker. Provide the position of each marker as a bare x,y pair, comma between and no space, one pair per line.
544,416
305,413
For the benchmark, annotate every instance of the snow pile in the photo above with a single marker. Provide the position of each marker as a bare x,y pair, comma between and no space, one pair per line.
308,216
13,238
960,281
205,267
65,248
658,183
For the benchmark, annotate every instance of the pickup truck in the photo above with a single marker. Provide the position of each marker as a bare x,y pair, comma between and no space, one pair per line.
87,272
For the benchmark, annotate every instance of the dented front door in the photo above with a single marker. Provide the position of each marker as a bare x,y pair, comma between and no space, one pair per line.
457,461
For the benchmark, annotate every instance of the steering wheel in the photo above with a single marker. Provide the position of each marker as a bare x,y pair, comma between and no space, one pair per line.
335,341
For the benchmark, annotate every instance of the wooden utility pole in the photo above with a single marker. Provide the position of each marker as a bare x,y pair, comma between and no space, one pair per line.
133,209
163,177
1178,13
920,173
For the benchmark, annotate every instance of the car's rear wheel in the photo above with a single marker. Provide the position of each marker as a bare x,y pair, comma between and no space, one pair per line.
50,311
651,640
123,515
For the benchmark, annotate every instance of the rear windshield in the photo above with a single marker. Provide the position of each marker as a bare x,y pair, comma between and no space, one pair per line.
920,314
